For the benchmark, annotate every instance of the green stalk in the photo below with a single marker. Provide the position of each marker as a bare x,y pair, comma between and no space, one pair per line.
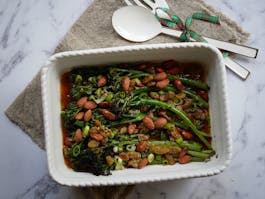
190,82
140,90
210,152
194,146
198,154
197,159
131,73
180,113
164,143
138,118
201,101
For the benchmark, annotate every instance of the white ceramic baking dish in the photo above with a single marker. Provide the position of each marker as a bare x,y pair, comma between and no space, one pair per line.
204,54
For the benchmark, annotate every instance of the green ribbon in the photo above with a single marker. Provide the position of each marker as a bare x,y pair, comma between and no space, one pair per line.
176,23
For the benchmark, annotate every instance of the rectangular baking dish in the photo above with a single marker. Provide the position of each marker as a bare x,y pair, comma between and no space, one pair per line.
208,56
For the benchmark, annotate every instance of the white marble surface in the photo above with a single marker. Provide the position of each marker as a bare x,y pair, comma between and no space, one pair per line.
29,32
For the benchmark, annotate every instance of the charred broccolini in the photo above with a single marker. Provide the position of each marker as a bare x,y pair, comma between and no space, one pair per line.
150,113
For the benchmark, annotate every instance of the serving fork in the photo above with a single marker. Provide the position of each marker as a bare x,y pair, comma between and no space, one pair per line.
242,72
153,4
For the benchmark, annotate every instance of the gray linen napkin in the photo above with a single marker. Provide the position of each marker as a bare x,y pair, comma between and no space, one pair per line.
94,30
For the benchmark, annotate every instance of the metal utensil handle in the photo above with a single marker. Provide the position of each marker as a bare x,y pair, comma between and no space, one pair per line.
235,48
233,66
241,71
230,47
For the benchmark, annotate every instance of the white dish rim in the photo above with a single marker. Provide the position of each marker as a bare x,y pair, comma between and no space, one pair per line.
60,55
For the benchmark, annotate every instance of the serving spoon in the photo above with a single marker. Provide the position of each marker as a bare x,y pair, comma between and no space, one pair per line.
138,24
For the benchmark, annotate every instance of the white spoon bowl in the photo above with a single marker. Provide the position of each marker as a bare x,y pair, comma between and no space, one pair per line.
135,23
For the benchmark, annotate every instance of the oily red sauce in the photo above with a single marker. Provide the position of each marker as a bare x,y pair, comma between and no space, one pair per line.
65,100
194,69
65,90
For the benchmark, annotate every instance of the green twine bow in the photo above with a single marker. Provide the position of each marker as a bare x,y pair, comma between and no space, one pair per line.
176,23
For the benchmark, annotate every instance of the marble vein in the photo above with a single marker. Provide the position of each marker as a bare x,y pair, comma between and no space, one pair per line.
215,190
40,189
228,4
17,58
260,88
5,37
242,135
30,30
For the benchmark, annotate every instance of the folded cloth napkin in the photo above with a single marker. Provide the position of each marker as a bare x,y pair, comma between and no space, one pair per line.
94,30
